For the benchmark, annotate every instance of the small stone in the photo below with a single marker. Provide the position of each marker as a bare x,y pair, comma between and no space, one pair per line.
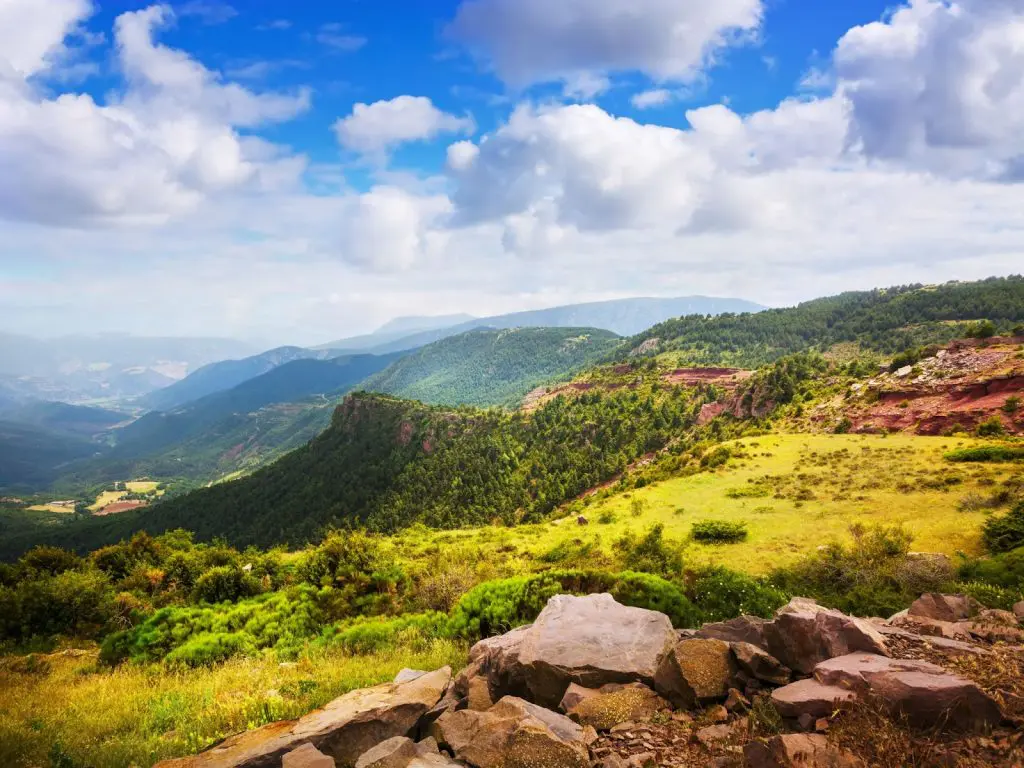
821,724
736,701
805,722
307,756
718,714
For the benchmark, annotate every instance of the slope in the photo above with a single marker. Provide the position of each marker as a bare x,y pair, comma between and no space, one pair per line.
886,320
221,376
62,417
621,316
30,455
490,367
231,431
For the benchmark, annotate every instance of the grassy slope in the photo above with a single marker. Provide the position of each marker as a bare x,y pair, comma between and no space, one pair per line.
781,530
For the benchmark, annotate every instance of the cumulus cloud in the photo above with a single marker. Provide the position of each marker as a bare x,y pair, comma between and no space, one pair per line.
151,152
30,41
534,41
657,97
376,128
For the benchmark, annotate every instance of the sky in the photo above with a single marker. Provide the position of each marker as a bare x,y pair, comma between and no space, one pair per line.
296,172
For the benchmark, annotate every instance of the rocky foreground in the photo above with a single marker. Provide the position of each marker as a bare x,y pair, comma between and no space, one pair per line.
596,683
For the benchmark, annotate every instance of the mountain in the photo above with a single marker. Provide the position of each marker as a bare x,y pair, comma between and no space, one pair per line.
31,456
622,316
230,431
885,320
396,329
491,367
82,368
62,418
225,374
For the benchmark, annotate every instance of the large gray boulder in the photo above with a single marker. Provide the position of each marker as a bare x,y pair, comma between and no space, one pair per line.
343,730
590,641
695,671
514,734
803,634
926,694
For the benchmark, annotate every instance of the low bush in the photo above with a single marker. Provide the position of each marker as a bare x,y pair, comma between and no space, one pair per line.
992,427
651,553
225,584
721,594
1005,570
370,635
987,453
989,595
718,531
1003,533
72,603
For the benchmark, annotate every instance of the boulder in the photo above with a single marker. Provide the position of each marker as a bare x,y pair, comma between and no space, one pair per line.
939,643
760,664
925,693
306,756
343,730
497,658
1018,610
809,697
804,633
400,752
922,625
695,671
611,704
514,734
712,735
590,641
742,629
933,605
994,617
408,675
798,750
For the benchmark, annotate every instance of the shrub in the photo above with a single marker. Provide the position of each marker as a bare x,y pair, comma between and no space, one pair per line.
985,453
992,427
989,595
74,603
983,329
225,584
843,426
1005,532
1004,570
211,648
718,531
370,635
651,553
1012,405
643,590
721,594
51,560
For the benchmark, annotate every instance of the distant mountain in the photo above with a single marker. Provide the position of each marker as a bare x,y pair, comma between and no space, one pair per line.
396,329
223,375
82,368
622,316
235,430
491,367
62,418
31,456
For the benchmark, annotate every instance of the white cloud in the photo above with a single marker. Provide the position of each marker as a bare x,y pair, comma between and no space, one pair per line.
31,41
583,86
658,97
376,128
153,152
334,36
533,41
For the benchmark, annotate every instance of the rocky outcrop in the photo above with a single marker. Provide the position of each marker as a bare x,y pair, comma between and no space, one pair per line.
514,734
343,730
307,756
926,694
933,605
759,664
804,633
742,629
695,671
590,641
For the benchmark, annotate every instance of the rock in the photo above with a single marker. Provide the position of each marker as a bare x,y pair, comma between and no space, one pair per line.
695,671
711,735
396,752
933,605
760,664
717,714
590,641
992,633
497,658
805,633
922,625
798,750
742,629
514,734
610,761
925,693
582,520
1018,610
806,722
939,643
736,701
343,730
643,760
306,756
809,697
997,618
408,675
611,704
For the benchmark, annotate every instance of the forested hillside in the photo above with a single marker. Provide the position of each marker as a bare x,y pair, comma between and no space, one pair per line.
886,320
491,367
388,463
31,456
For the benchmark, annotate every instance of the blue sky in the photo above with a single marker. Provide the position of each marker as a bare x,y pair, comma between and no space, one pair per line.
294,172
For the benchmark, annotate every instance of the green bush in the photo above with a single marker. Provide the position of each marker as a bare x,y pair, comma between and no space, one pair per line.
211,648
989,595
1005,570
1005,532
721,594
644,590
983,453
718,531
1012,405
651,553
74,603
992,427
51,560
370,635
983,329
224,584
